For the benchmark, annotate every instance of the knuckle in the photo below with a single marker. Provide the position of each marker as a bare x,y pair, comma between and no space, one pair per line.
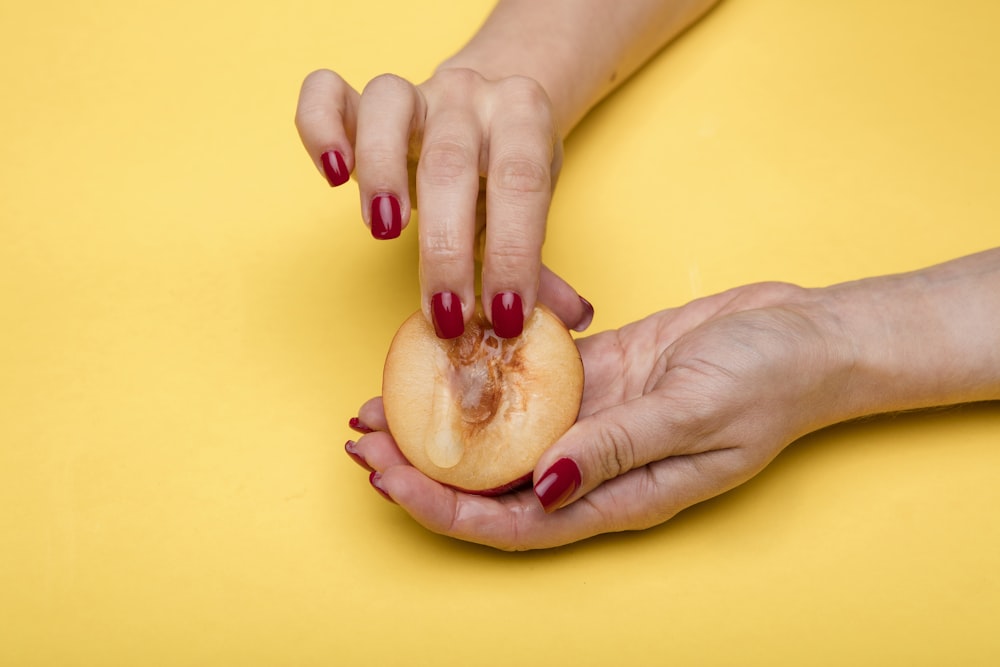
519,175
310,113
444,163
317,97
515,539
322,78
512,258
377,162
615,451
391,83
441,250
459,78
524,93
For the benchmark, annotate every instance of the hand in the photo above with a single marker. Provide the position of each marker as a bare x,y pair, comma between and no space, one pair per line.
471,151
677,408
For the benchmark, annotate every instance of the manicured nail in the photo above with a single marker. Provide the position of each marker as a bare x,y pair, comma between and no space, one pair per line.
356,424
508,317
588,316
375,479
387,221
446,311
558,483
352,450
334,168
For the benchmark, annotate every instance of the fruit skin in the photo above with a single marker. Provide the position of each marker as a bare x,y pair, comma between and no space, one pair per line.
509,487
478,411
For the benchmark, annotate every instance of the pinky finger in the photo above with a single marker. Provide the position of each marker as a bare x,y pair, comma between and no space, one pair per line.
575,312
372,415
326,119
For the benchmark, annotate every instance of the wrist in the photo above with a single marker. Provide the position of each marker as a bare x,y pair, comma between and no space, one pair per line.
577,50
920,339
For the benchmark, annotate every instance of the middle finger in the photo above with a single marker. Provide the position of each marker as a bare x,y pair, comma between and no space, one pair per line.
447,189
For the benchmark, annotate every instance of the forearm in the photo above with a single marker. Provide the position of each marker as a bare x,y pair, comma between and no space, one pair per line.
922,339
578,50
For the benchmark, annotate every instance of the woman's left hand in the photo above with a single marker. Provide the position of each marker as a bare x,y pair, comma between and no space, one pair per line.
677,408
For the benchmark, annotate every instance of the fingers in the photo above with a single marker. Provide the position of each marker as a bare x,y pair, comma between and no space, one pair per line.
343,131
376,451
524,158
639,499
460,131
448,189
575,312
326,121
501,133
388,114
512,522
372,415
608,444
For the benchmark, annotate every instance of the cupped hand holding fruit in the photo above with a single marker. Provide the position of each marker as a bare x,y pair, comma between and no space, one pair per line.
676,408
690,402
481,156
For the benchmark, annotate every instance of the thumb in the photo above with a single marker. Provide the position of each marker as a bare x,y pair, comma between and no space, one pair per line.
603,446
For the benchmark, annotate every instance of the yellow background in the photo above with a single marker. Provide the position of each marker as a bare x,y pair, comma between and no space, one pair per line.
189,316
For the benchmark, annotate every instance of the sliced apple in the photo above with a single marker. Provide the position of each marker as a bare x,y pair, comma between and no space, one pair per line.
476,412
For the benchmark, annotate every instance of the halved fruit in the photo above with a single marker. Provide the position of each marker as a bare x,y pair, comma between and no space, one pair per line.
476,412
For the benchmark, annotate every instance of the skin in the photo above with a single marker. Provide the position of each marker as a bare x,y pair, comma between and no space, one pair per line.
684,404
479,144
690,402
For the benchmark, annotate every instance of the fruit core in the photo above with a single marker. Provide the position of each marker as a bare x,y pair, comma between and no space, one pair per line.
482,373
478,362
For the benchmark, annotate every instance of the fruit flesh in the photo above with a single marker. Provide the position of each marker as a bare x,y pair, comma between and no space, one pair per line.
477,411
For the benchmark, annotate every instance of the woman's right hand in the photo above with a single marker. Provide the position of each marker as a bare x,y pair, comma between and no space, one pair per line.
480,156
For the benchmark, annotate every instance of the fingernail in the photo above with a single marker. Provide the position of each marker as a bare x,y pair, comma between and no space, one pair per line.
558,483
588,316
334,168
387,221
375,479
508,317
352,450
356,424
446,311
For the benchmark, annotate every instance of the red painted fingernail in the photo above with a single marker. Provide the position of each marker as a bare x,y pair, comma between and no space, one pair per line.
446,311
558,483
375,480
352,450
588,316
387,220
508,317
334,168
356,424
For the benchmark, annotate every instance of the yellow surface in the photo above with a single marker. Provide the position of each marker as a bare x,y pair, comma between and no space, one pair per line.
189,316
